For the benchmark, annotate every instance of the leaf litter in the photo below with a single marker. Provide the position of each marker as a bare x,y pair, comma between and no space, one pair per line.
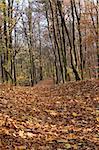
50,117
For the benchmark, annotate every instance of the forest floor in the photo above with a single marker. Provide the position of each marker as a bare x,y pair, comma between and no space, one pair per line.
50,117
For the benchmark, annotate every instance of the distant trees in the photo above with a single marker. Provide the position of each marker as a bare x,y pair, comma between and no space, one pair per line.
75,35
30,42
48,38
6,40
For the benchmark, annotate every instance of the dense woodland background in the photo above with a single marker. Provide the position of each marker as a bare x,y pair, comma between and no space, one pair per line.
48,39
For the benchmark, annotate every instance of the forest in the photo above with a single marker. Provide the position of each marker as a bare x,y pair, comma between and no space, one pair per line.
42,39
49,74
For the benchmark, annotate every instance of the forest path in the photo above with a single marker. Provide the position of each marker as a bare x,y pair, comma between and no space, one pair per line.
49,117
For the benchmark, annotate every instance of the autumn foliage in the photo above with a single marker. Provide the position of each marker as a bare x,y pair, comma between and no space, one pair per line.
49,117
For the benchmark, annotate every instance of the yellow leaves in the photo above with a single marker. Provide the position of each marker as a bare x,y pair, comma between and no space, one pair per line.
24,134
68,146
97,119
21,77
97,112
52,112
69,70
20,147
2,6
49,137
17,1
21,134
13,22
74,114
62,141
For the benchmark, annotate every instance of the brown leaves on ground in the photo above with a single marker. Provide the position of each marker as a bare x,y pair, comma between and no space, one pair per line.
49,117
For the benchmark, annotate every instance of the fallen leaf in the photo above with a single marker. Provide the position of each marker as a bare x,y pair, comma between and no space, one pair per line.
74,114
97,119
68,146
21,133
20,147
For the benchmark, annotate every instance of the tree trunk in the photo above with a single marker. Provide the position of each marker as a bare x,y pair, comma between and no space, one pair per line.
55,40
78,16
68,36
53,48
62,41
40,51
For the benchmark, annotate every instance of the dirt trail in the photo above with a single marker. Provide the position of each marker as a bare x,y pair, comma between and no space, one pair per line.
49,117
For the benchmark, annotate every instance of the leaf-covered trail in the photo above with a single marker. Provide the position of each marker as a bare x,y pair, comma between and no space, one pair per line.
48,117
